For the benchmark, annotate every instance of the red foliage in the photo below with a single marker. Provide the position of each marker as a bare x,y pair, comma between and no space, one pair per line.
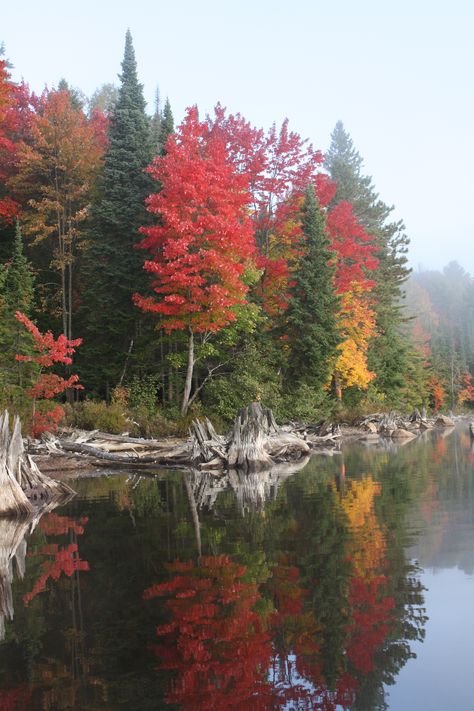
279,166
204,239
466,393
46,421
214,640
100,123
48,352
61,560
437,392
54,525
50,384
354,248
371,621
8,127
16,699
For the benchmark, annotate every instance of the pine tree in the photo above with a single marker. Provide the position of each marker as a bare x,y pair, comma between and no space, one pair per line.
113,269
313,306
388,352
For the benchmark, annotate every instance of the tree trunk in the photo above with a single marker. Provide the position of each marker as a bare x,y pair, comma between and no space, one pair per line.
189,375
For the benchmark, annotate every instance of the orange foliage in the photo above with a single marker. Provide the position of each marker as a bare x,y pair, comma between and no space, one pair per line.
466,393
367,548
437,392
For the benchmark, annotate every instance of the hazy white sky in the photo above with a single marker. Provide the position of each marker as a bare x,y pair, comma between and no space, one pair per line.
398,74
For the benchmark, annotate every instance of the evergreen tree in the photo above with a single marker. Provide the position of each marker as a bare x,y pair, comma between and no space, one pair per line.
16,294
113,268
156,121
388,352
311,314
166,125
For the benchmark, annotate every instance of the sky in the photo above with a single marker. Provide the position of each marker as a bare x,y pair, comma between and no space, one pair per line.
398,74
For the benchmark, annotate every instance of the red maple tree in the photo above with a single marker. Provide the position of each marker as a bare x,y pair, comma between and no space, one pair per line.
8,127
200,248
49,350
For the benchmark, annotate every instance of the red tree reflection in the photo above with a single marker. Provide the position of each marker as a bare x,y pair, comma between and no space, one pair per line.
64,559
215,640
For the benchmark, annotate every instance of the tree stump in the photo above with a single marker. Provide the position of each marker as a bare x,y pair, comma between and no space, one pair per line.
22,486
254,444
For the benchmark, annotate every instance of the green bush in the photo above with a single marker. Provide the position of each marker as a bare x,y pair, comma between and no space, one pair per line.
91,415
305,404
151,425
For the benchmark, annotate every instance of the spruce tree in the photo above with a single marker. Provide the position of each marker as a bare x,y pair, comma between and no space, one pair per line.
113,269
16,294
313,305
388,352
155,125
166,126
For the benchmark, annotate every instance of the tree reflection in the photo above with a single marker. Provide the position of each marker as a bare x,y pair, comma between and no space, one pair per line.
215,640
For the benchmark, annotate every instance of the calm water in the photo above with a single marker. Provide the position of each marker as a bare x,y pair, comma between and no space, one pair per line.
346,585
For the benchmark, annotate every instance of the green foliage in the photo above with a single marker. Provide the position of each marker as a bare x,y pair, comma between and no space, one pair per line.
311,316
92,415
255,375
16,294
142,392
115,333
306,403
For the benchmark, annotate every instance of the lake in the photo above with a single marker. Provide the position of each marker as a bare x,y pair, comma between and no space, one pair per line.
346,584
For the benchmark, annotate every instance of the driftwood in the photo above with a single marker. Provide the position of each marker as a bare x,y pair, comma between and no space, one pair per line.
23,488
255,443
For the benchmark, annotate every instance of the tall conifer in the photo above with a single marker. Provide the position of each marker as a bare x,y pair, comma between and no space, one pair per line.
16,294
388,354
166,126
313,306
113,271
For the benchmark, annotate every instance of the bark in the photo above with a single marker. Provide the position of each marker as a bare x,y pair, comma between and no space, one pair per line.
189,375
23,487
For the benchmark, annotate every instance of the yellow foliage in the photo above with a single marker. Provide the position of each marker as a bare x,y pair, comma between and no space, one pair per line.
367,546
357,326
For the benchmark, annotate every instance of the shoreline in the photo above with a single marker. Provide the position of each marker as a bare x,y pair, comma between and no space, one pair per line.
68,465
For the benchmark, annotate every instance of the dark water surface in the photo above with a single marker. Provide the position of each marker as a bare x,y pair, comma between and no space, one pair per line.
346,585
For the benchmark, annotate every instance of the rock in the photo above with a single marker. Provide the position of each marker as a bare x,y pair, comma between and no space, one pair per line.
403,434
443,421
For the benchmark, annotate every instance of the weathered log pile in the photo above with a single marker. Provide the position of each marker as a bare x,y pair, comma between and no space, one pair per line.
23,488
255,443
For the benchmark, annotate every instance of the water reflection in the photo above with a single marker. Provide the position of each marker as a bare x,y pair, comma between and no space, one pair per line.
296,589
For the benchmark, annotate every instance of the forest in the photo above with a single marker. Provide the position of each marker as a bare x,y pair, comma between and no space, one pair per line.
151,273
